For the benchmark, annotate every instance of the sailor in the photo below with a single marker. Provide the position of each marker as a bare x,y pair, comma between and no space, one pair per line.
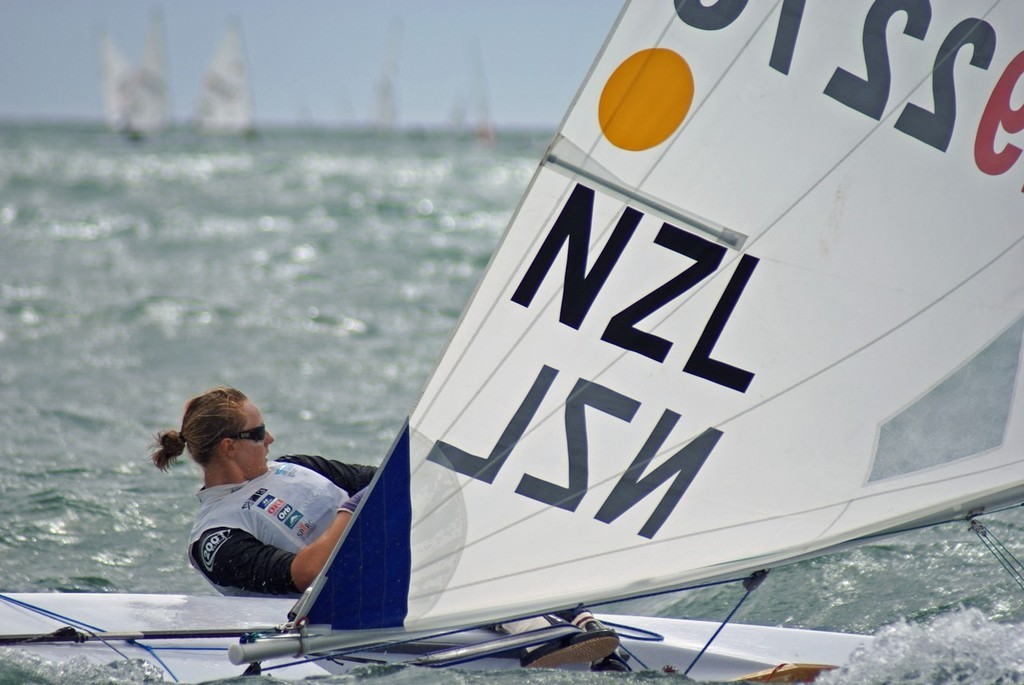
268,528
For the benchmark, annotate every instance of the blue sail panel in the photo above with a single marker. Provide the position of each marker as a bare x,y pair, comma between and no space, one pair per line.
367,585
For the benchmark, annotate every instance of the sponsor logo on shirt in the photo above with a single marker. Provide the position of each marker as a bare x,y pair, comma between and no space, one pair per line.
277,507
293,518
254,498
209,546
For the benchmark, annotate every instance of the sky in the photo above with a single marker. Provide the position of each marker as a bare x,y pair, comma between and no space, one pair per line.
314,61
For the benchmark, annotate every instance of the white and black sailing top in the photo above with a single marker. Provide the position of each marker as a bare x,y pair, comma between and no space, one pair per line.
246,534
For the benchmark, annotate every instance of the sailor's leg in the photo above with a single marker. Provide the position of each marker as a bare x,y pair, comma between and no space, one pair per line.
586,621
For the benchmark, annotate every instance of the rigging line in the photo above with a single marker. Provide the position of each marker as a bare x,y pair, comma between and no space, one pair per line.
750,584
49,614
128,658
1004,559
1003,555
155,656
67,632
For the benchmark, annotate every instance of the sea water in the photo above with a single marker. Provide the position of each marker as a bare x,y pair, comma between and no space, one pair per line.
322,272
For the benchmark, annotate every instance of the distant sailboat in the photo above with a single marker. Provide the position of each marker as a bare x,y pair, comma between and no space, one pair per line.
151,112
225,103
136,100
386,111
483,127
115,77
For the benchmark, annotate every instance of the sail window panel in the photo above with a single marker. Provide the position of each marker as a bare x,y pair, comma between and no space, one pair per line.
965,414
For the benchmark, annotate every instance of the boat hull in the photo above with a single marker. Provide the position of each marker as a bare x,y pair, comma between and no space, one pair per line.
149,627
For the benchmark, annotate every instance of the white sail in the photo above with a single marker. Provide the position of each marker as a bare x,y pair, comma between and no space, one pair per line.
763,299
385,113
225,102
115,80
151,103
136,99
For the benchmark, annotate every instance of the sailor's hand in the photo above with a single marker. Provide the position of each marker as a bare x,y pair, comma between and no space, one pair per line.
352,502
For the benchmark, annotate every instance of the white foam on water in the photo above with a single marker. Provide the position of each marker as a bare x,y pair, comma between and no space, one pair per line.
961,647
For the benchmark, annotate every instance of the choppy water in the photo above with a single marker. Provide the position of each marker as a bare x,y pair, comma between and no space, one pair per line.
321,272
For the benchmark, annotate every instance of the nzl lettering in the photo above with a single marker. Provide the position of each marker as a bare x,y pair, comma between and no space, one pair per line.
633,486
581,289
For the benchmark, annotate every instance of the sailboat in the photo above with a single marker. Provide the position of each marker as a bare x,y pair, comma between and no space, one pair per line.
225,102
115,78
151,112
385,112
761,301
483,130
136,99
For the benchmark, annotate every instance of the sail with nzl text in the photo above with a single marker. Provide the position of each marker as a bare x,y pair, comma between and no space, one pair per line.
762,300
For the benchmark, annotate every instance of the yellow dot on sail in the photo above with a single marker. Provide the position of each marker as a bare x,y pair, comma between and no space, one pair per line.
646,99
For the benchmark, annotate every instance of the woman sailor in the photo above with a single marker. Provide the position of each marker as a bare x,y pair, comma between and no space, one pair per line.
269,528
262,528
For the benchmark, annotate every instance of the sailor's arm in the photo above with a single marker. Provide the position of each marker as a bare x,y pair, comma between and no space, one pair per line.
234,558
350,477
309,560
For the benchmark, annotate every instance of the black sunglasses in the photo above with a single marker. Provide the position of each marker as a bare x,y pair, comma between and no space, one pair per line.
259,433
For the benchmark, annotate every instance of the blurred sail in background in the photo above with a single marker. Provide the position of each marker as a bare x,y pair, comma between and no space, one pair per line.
136,100
386,110
225,100
115,77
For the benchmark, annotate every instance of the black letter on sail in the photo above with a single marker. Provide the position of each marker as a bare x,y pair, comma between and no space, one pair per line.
573,225
486,468
706,257
585,394
711,17
684,465
700,362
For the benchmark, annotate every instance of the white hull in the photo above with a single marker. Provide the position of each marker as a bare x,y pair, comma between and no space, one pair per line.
739,650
